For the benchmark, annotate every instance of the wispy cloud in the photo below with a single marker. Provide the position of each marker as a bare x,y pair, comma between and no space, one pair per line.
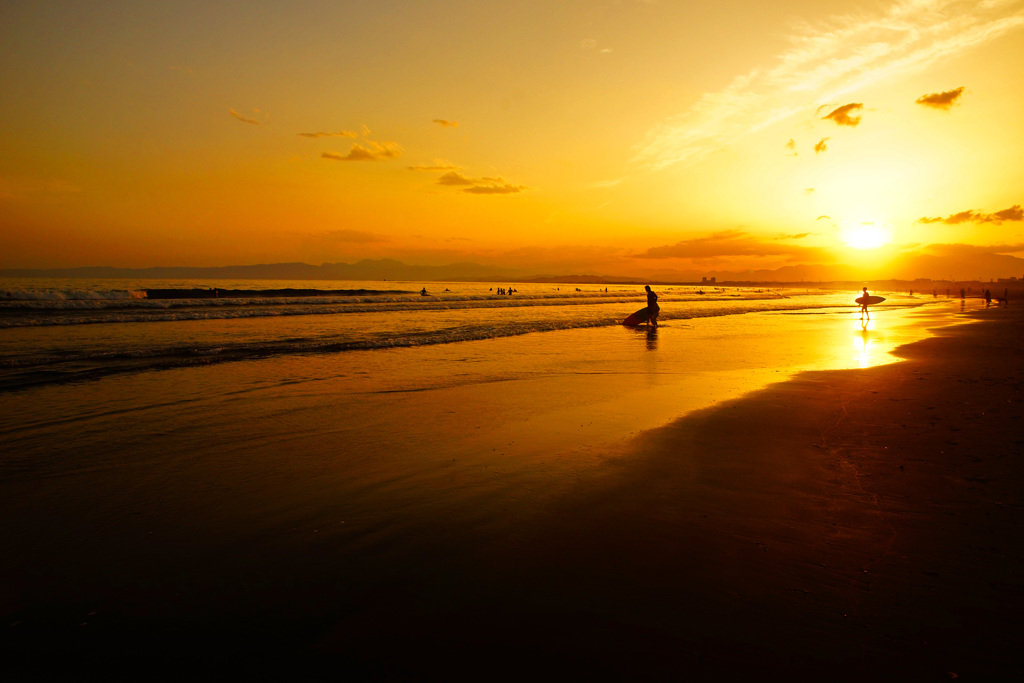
454,179
843,116
339,134
243,119
438,165
1014,213
373,151
941,100
497,187
479,185
791,146
825,62
444,123
820,146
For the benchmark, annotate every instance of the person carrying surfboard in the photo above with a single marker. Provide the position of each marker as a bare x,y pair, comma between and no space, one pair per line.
864,303
652,306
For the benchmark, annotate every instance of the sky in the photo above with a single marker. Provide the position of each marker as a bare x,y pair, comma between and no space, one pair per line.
656,138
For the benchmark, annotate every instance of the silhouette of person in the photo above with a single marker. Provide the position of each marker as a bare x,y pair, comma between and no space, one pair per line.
988,298
864,303
653,309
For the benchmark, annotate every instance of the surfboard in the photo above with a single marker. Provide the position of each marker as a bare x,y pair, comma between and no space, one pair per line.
869,300
637,318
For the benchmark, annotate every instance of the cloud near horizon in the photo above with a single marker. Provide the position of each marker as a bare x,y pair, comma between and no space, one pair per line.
958,249
446,124
242,118
1014,213
374,151
941,100
841,54
727,243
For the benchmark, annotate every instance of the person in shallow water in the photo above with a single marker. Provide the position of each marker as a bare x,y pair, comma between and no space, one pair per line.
652,306
864,306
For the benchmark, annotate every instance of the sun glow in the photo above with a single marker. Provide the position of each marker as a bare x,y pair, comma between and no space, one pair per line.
865,234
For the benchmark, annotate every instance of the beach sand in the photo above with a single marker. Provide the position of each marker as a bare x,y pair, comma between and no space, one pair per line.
844,525
840,525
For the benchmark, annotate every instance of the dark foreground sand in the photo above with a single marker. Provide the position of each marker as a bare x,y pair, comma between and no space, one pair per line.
850,525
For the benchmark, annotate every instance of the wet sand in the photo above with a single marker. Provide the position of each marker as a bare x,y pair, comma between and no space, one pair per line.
842,525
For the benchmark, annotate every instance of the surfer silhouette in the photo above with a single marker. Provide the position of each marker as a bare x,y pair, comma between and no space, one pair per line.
864,304
652,306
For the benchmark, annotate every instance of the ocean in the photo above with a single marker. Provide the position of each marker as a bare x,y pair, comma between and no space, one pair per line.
53,331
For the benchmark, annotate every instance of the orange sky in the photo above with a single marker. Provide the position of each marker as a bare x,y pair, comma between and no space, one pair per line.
629,137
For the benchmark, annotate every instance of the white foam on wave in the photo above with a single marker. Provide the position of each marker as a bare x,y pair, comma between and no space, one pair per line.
70,295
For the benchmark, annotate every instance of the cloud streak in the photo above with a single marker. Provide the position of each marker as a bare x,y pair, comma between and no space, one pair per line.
479,185
373,151
1014,213
826,61
438,165
339,134
446,124
243,119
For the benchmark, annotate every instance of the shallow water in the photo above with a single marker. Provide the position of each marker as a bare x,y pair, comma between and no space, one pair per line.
54,332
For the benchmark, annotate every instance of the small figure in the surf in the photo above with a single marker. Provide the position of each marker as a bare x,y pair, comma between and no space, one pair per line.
652,306
988,298
864,304
423,292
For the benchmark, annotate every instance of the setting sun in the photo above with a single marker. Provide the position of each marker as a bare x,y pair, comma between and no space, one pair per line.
865,235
